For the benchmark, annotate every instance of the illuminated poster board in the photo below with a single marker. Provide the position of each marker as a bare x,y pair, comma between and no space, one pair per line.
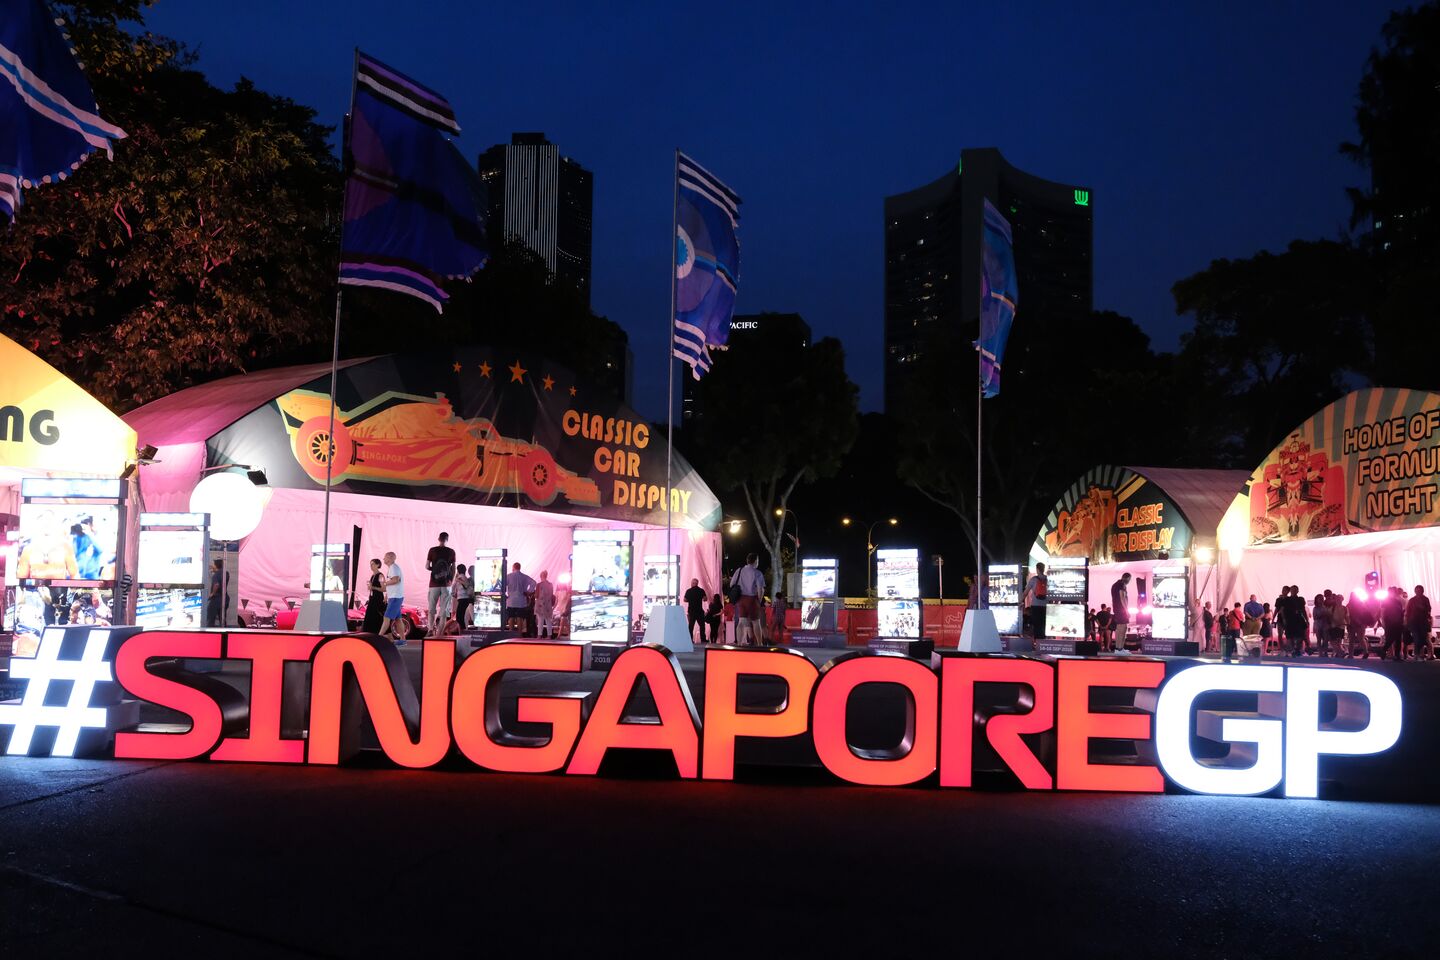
329,571
179,607
172,549
897,618
1067,580
488,576
1002,588
897,574
600,618
1065,620
1007,621
75,541
818,577
661,574
600,561
1169,599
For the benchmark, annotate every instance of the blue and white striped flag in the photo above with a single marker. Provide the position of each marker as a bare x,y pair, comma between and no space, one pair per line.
48,119
999,293
707,263
414,208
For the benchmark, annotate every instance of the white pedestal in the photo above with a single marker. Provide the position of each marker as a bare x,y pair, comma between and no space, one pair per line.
324,616
978,633
668,627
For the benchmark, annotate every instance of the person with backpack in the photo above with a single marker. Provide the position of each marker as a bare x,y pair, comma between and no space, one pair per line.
1232,624
440,561
747,588
1036,589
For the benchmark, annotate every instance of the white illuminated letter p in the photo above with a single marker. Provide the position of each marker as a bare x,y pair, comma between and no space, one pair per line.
1305,741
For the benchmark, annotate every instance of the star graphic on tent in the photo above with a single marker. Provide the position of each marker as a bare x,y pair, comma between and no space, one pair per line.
484,369
572,391
517,373
549,382
457,367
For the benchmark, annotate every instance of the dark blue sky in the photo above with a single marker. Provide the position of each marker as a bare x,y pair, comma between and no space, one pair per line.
1204,130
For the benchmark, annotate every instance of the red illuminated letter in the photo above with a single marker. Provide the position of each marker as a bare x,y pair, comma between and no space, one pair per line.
1077,726
914,758
723,719
676,730
204,713
388,696
957,733
267,653
475,714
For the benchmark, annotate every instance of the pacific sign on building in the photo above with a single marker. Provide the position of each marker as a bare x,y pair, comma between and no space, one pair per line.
458,709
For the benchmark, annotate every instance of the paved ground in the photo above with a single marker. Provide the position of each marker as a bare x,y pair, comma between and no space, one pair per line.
239,860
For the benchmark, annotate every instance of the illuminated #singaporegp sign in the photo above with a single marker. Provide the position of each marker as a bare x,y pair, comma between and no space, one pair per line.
1279,743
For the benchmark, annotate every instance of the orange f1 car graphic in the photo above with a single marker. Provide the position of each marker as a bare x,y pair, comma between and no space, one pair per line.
402,438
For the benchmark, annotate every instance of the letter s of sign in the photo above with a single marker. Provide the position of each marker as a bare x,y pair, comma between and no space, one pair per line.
43,429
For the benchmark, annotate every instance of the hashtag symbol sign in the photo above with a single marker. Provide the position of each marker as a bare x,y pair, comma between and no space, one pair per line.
43,669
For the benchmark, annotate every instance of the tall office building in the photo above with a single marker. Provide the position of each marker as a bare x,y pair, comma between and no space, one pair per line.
933,255
544,200
779,331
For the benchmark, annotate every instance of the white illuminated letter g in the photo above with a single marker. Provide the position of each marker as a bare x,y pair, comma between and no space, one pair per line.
1305,741
1173,725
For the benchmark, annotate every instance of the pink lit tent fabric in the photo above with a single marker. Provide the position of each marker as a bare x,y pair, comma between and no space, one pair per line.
274,559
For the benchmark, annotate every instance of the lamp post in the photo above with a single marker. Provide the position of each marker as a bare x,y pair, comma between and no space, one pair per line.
869,544
781,512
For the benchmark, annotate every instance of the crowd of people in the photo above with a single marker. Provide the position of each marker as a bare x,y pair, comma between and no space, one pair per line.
1397,622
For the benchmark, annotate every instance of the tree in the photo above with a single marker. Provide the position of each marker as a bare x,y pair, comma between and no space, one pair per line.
206,246
1072,395
1274,337
1397,114
775,418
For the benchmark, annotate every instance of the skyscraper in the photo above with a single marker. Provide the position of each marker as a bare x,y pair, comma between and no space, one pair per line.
778,331
544,200
933,254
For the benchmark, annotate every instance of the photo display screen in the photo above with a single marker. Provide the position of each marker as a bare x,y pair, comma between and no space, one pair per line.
601,566
1065,620
329,570
1068,580
600,618
179,608
68,541
897,574
172,549
488,574
1007,620
1003,586
1169,599
817,579
817,614
487,612
897,618
660,575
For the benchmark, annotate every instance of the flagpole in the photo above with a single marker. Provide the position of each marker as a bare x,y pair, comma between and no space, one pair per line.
335,361
979,408
672,573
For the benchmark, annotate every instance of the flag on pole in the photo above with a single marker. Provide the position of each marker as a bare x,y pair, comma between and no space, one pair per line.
707,263
999,292
49,122
414,208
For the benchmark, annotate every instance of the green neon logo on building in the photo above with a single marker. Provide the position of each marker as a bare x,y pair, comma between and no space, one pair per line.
1082,198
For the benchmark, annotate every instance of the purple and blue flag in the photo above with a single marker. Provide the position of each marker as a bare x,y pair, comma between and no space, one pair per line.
414,208
999,292
49,122
707,263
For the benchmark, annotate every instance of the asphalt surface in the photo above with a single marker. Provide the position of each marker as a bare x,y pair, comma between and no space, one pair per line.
220,860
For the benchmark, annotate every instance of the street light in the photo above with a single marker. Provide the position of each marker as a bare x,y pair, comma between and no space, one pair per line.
735,527
869,543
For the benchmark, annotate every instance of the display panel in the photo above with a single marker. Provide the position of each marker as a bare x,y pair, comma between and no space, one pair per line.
1067,580
487,612
1065,620
817,614
178,607
1170,599
601,566
68,541
897,618
1003,586
1168,623
817,578
600,618
655,581
897,574
1007,620
25,618
172,549
92,488
488,574
329,566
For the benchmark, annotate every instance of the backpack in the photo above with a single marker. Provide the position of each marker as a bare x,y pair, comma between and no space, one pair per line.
1041,585
442,569
732,592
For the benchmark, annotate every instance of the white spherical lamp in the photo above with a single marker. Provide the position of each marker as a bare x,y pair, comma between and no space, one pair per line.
234,503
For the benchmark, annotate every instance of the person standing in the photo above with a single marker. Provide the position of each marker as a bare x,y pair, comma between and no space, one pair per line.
713,613
1104,620
440,561
1417,624
518,590
462,591
374,600
544,606
1339,624
1120,603
750,583
1267,625
1253,610
1392,622
1320,623
1036,589
1234,625
393,624
695,609
216,603
1207,618
778,607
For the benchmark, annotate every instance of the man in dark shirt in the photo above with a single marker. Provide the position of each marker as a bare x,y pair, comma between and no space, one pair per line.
1392,620
440,561
1417,623
218,601
695,610
1120,604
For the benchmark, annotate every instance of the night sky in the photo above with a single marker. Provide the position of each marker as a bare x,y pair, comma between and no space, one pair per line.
1203,130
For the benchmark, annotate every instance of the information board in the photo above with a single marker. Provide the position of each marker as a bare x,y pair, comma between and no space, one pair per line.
172,550
1170,601
1067,580
1002,586
897,574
